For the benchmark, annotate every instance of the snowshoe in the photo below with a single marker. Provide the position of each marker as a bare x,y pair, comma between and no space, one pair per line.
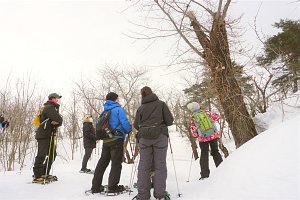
119,189
203,178
136,198
167,196
93,191
87,171
50,178
41,181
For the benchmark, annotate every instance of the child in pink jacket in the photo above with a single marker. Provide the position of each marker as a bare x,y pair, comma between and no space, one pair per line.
206,138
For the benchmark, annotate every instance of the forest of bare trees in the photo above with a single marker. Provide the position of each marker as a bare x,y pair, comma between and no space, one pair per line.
217,83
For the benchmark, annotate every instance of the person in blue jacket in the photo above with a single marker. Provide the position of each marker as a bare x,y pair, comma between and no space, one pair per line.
112,149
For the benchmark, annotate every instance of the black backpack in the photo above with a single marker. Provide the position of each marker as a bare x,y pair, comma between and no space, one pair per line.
103,130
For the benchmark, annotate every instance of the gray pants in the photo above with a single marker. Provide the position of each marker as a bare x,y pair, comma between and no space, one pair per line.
152,150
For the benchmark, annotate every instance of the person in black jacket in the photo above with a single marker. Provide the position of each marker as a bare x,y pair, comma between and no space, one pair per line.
152,120
3,122
89,141
46,139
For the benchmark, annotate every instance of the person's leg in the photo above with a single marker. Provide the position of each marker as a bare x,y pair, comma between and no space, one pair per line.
204,146
215,152
160,148
144,168
39,167
86,157
116,152
100,169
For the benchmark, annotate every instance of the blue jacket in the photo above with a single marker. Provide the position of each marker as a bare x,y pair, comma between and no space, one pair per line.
118,119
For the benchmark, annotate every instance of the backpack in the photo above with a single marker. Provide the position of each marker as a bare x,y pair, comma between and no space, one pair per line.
103,130
37,118
203,123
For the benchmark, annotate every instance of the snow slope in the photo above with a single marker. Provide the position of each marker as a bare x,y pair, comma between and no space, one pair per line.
265,168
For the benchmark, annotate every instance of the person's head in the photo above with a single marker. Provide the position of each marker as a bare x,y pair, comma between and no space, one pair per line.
87,118
112,96
193,107
54,97
145,91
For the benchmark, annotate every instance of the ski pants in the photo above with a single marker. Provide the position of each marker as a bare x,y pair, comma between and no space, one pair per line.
86,157
204,157
111,151
153,152
45,156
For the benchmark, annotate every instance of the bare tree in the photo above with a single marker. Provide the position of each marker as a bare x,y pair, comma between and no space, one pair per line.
203,28
19,108
71,123
126,83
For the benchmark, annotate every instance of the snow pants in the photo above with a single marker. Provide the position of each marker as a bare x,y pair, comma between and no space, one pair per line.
152,150
45,157
86,157
111,151
204,164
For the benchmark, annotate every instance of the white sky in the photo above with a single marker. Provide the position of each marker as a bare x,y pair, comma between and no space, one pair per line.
59,40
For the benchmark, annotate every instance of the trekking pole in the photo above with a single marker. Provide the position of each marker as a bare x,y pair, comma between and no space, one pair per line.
48,158
190,168
54,146
179,195
134,172
133,166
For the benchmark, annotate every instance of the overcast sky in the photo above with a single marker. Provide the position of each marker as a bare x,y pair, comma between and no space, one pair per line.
59,40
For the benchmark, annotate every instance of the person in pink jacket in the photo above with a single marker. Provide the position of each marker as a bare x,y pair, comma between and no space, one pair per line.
204,129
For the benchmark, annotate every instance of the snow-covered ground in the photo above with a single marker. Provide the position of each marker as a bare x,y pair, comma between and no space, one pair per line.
265,168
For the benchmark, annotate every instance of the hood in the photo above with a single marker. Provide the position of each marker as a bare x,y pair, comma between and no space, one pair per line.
193,107
149,98
49,102
109,104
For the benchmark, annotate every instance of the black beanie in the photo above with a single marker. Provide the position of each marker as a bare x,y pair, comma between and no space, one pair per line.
111,96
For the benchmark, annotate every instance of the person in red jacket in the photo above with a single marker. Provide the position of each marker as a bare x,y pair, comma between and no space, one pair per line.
204,129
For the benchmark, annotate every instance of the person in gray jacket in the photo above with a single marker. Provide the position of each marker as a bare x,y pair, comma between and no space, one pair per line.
152,120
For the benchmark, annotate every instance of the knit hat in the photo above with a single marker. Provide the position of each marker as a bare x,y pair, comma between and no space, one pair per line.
111,96
194,106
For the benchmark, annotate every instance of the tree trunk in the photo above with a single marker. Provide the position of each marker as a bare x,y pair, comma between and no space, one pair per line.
217,55
229,92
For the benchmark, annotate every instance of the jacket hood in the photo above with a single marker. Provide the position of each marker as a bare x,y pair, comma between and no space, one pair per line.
109,104
149,98
193,107
49,102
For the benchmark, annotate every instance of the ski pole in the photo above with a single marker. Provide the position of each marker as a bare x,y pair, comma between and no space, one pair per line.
190,168
132,163
134,172
48,158
54,146
179,195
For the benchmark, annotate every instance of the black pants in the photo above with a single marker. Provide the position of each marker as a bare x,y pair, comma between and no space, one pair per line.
204,164
45,157
112,151
86,157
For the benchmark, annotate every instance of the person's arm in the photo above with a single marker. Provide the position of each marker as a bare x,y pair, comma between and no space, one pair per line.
137,122
167,115
215,118
124,121
54,116
194,129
